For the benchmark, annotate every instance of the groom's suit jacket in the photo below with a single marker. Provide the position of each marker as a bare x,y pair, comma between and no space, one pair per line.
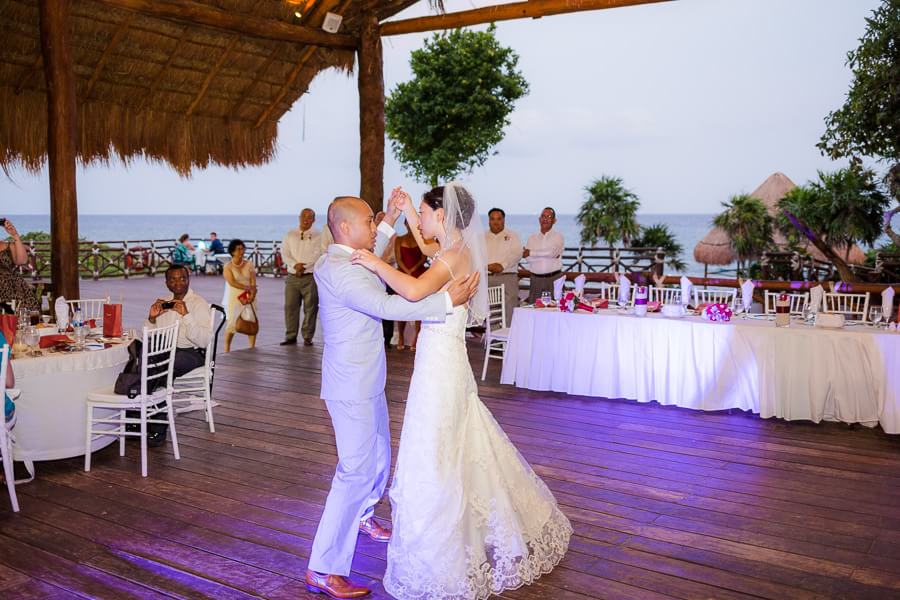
352,303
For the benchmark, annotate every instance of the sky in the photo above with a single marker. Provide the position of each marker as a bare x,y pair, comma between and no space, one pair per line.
689,102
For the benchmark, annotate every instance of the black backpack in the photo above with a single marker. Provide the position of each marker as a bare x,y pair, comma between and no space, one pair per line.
128,383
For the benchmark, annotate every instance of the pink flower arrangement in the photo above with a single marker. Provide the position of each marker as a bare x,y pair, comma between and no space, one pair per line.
720,312
570,303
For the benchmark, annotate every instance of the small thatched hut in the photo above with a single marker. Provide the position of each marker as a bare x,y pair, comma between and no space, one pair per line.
714,249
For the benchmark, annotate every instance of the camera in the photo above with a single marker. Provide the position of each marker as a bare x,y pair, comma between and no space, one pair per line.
168,305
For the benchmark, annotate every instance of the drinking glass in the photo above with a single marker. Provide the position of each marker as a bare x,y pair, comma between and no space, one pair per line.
80,334
875,315
45,319
32,339
808,314
545,298
34,317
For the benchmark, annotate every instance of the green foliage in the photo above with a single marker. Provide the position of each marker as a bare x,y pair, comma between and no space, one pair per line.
842,208
660,236
749,225
887,249
609,213
869,122
446,120
35,236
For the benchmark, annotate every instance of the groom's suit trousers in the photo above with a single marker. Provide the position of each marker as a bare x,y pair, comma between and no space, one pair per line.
362,434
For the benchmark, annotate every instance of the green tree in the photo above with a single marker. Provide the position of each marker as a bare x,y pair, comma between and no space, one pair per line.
609,213
749,225
660,236
842,208
867,123
447,119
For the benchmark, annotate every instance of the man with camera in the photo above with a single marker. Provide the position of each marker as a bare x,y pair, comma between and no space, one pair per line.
194,333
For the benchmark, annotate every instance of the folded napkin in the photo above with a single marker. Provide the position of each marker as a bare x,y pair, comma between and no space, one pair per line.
830,320
686,287
747,294
624,289
579,285
816,296
887,303
62,312
558,288
48,341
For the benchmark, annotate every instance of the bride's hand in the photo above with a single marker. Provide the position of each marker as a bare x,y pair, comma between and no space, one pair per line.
366,259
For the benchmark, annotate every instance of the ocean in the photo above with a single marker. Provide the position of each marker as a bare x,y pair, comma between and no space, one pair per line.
688,229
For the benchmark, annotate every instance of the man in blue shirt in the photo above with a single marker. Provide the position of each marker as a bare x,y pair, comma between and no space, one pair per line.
215,247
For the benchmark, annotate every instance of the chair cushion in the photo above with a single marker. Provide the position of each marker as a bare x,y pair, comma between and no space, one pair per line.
196,373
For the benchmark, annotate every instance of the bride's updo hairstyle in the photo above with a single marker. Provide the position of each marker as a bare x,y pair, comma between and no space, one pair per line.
435,200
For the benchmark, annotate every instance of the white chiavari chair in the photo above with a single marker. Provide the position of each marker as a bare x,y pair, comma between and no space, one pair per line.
798,302
496,330
715,296
853,306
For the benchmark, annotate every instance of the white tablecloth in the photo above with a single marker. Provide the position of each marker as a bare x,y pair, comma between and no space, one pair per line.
850,375
51,411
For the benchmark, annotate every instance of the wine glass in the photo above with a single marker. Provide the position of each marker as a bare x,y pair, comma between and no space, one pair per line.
32,339
875,316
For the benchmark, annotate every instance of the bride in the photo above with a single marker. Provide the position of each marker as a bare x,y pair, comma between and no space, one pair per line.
470,516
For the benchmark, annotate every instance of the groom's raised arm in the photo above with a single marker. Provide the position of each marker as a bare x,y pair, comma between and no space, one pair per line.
364,294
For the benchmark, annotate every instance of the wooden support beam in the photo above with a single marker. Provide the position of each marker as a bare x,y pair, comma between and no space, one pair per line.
55,26
292,77
210,76
533,9
159,75
195,13
98,68
260,73
371,114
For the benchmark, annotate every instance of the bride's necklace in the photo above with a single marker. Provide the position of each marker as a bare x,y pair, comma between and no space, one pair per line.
450,246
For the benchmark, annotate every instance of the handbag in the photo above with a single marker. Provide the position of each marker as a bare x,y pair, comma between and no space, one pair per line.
247,326
128,383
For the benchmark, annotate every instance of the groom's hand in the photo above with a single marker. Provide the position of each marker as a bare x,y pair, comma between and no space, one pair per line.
463,289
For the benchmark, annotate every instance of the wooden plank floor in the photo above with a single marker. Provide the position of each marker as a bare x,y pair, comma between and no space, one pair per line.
666,503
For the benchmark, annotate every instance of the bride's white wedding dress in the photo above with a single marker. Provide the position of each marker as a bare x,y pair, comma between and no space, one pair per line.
470,516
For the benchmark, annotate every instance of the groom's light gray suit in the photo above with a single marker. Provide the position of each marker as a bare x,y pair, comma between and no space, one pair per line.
352,303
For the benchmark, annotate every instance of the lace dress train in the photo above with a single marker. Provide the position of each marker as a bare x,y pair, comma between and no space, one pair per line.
470,516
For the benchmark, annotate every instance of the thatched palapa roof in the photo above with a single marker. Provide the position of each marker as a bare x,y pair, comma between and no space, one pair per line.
166,88
715,248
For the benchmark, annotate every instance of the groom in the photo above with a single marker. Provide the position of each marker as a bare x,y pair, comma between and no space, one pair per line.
352,303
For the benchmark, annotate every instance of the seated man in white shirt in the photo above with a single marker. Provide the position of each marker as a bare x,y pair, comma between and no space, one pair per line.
544,253
194,333
504,251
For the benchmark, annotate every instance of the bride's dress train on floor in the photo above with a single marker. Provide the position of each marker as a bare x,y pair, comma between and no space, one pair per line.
470,516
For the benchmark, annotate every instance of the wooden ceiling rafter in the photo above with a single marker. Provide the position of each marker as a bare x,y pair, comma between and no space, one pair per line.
260,73
121,30
304,57
211,75
205,15
28,73
159,75
532,9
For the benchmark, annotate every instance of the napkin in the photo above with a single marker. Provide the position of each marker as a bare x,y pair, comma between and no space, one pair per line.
48,341
624,289
579,285
558,288
887,303
686,287
62,312
747,294
816,296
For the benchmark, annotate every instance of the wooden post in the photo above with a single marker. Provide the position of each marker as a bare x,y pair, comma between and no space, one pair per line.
371,114
61,145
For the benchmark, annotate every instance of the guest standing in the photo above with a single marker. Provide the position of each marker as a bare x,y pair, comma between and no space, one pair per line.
300,249
240,290
544,253
12,285
504,251
411,261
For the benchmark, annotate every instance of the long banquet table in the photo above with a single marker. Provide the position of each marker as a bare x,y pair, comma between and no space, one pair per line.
51,410
801,372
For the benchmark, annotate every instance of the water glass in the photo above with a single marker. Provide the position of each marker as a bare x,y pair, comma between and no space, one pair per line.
875,315
545,298
80,334
32,339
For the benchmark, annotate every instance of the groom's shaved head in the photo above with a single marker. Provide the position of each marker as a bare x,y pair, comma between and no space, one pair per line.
350,222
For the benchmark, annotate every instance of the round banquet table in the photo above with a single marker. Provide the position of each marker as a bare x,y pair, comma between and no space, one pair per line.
51,410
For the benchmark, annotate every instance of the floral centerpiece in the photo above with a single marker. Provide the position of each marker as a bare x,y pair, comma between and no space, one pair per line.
570,303
718,312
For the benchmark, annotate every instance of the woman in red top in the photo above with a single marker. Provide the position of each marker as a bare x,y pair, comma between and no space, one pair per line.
411,261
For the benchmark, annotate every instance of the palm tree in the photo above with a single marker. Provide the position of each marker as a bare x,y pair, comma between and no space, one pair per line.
749,225
660,236
609,213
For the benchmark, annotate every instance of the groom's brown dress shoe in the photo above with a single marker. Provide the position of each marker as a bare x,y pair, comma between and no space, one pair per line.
335,586
378,533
